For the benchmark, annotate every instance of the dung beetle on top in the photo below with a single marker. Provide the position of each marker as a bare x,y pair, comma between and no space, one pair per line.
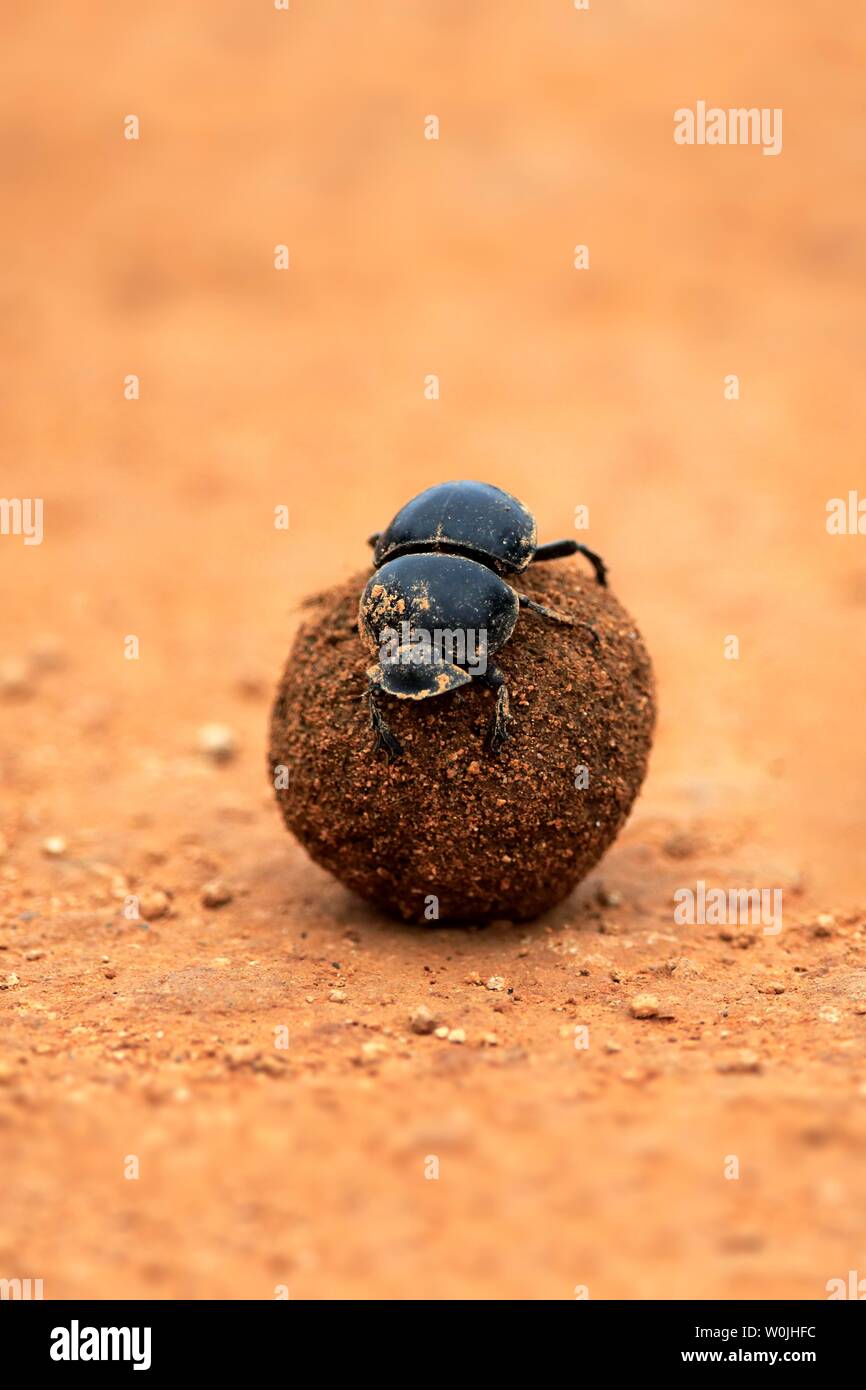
438,604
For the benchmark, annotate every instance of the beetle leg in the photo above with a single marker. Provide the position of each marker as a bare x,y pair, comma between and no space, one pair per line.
527,602
384,738
497,731
557,550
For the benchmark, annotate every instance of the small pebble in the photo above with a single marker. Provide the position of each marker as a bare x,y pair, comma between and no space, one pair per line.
644,1006
495,982
608,897
337,996
441,1031
216,741
47,653
457,1035
251,685
54,846
679,846
216,894
154,903
421,1020
15,680
739,935
743,1062
684,968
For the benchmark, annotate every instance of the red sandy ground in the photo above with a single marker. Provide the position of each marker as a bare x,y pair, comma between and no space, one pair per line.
305,1167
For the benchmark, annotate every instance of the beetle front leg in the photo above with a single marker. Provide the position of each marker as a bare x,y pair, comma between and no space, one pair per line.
497,731
527,602
557,550
384,738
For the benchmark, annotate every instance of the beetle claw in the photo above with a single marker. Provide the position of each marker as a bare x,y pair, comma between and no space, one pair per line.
498,731
496,737
384,738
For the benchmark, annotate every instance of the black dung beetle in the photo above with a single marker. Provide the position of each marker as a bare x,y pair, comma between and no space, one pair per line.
438,605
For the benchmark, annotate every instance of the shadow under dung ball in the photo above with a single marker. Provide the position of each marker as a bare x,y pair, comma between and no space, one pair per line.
486,836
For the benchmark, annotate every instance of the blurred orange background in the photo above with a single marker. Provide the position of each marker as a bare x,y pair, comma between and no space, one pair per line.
305,388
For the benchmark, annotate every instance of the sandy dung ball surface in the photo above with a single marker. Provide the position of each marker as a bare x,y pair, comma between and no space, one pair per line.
486,836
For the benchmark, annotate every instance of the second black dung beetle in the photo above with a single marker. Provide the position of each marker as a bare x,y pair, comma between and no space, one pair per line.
439,605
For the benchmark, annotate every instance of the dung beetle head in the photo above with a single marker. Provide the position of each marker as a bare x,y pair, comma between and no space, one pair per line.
408,675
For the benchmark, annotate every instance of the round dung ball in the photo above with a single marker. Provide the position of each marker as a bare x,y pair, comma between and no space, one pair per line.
449,831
